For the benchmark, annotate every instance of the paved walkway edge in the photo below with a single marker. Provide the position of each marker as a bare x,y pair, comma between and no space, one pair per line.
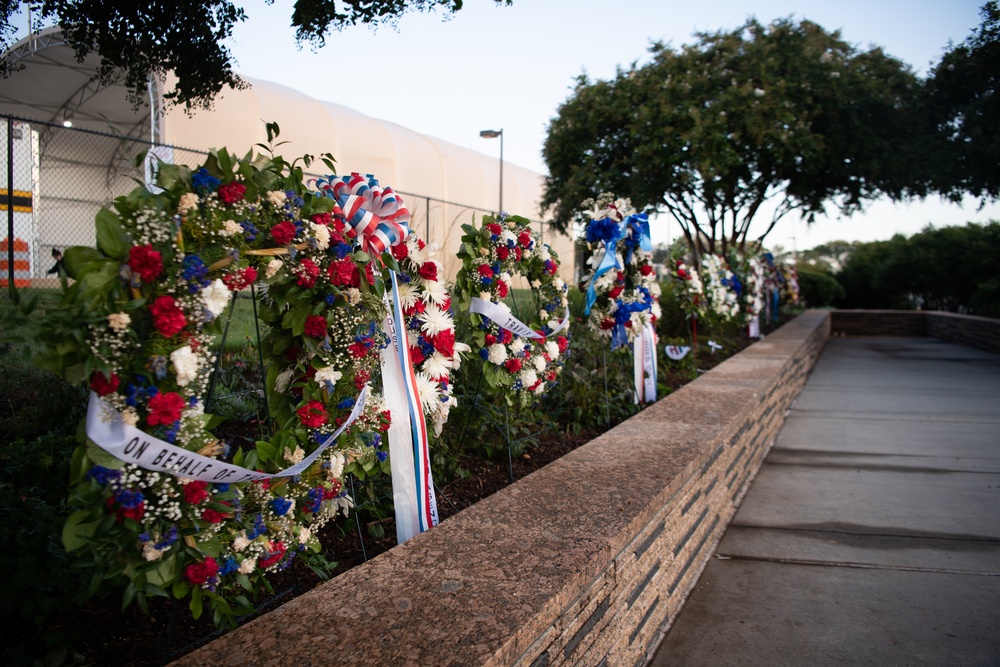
586,561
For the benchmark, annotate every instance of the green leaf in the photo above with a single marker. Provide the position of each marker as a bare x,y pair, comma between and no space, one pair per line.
112,239
99,282
196,603
78,528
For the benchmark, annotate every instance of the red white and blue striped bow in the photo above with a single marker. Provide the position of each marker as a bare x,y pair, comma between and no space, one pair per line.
376,217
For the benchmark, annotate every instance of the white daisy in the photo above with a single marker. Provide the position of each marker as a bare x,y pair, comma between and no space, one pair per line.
435,291
434,320
408,294
429,391
437,365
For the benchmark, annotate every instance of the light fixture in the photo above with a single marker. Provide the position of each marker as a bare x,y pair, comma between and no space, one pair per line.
493,134
67,123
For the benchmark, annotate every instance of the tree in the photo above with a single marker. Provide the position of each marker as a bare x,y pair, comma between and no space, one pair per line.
964,92
710,133
952,268
187,37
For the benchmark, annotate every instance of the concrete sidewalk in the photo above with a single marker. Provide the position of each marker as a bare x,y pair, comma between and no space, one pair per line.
871,535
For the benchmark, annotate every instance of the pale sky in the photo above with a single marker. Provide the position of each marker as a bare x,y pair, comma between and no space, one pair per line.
492,67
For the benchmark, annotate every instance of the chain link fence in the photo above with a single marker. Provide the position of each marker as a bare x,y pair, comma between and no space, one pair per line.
54,180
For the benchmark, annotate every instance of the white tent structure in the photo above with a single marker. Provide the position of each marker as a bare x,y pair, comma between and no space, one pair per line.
444,185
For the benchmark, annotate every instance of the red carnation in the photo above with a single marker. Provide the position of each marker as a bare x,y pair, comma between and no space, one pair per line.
322,219
275,551
607,323
165,408
524,238
508,336
357,350
443,342
512,365
308,273
400,251
645,269
316,326
312,414
386,420
502,289
121,513
199,573
490,339
429,271
213,516
485,271
344,273
145,262
103,385
517,252
416,355
503,252
562,342
230,193
283,233
681,273
494,228
370,272
240,279
168,318
361,379
195,492
613,294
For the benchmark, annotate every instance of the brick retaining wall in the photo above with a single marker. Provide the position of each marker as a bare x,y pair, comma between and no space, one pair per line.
585,561
978,332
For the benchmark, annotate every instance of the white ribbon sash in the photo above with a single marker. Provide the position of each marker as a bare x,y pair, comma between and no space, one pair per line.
129,444
503,317
644,365
412,485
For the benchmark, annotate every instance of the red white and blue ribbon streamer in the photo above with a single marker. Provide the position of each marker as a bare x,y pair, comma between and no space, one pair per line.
376,217
412,484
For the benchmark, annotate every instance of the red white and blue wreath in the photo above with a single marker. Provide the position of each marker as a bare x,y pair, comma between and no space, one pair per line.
521,359
622,294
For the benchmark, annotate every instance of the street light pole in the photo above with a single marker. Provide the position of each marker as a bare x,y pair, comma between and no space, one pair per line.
493,134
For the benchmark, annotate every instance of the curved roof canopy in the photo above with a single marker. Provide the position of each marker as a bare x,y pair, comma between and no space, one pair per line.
53,86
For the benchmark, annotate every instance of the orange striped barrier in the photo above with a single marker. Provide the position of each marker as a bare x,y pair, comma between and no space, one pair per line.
22,263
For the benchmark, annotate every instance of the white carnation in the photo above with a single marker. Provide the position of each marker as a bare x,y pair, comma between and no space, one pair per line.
497,354
322,235
273,267
186,364
231,228
248,566
277,198
528,377
552,349
216,297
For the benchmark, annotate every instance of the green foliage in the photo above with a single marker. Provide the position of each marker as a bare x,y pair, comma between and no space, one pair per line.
712,131
952,268
964,97
818,288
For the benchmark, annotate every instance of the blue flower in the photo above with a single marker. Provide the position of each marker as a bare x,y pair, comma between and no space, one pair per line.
259,528
103,475
230,565
169,538
129,499
204,182
381,455
484,353
281,506
249,230
341,250
195,272
221,487
346,403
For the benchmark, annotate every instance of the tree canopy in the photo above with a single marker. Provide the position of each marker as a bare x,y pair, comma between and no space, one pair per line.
951,268
964,96
786,113
188,37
